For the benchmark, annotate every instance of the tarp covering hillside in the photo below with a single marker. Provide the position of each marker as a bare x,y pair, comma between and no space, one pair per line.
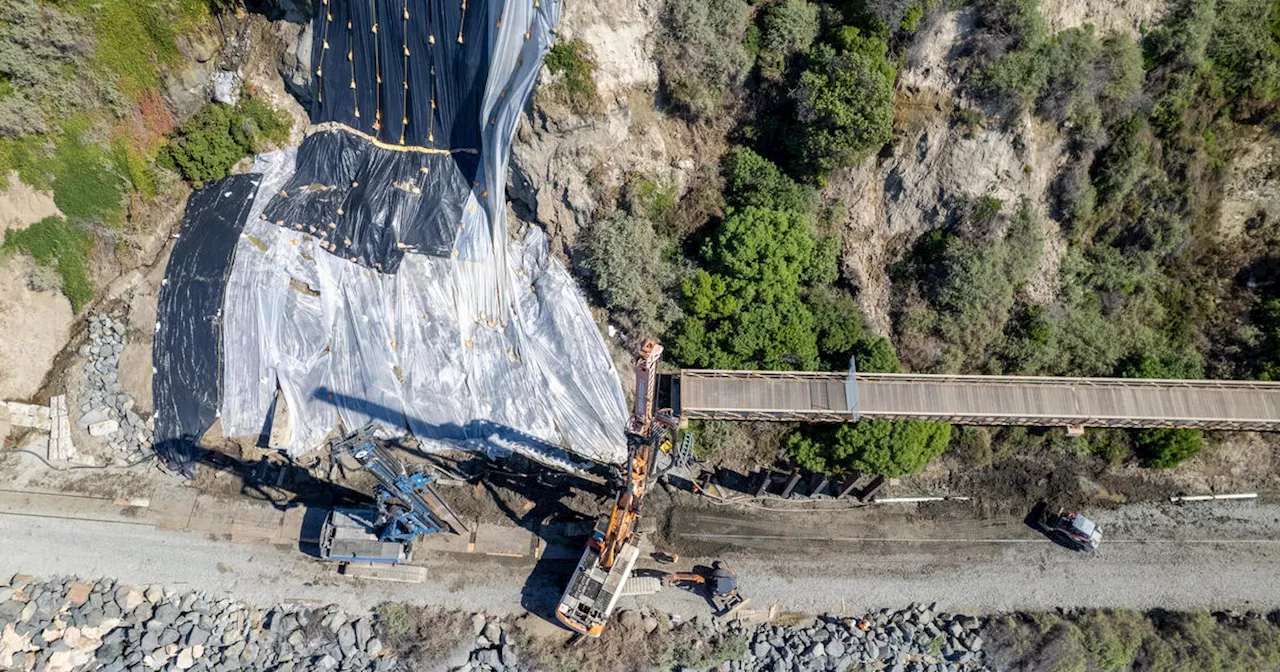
375,280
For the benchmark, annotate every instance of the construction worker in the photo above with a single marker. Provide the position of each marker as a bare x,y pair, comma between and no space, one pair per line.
724,583
859,623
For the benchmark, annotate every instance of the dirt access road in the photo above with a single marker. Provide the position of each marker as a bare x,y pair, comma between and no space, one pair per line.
1216,555
1210,556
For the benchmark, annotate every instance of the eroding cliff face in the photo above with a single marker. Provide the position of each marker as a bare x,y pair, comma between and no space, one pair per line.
564,167
938,163
1106,16
1251,194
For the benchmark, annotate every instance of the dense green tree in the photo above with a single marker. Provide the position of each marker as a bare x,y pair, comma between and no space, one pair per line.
842,334
745,311
890,448
752,180
1245,48
843,102
748,307
762,254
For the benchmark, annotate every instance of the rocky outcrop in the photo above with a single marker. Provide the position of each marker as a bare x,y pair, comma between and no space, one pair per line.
187,87
562,169
294,63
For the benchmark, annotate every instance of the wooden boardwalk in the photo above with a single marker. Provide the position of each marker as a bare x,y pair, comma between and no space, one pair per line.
978,400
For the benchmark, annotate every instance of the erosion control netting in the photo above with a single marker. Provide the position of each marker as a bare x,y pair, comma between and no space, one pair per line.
374,279
185,386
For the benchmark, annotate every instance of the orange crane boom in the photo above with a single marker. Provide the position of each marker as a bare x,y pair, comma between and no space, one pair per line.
611,552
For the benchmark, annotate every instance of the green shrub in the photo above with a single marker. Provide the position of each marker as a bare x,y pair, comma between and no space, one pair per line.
1267,316
844,103
46,74
751,42
971,276
911,17
882,17
700,53
268,123
1058,74
654,199
624,259
1017,21
1111,640
968,120
1245,49
888,447
207,145
133,167
714,439
55,243
790,27
1164,448
573,62
394,617
84,186
1122,58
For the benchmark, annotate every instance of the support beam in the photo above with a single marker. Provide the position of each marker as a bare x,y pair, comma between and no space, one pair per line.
818,484
765,479
872,488
791,484
850,482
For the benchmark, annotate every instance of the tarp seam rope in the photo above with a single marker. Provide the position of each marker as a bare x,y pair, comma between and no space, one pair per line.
339,126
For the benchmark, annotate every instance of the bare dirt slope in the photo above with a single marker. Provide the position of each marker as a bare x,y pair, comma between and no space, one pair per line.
22,205
33,325
33,328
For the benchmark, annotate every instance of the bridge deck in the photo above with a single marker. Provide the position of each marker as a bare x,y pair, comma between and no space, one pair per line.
985,400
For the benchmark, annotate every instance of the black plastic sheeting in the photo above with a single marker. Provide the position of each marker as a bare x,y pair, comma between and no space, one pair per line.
407,73
369,204
187,347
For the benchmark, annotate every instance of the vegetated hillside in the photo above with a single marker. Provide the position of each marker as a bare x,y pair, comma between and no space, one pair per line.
939,189
94,102
105,108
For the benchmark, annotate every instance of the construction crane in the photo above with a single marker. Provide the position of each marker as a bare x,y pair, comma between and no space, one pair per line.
406,507
611,552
